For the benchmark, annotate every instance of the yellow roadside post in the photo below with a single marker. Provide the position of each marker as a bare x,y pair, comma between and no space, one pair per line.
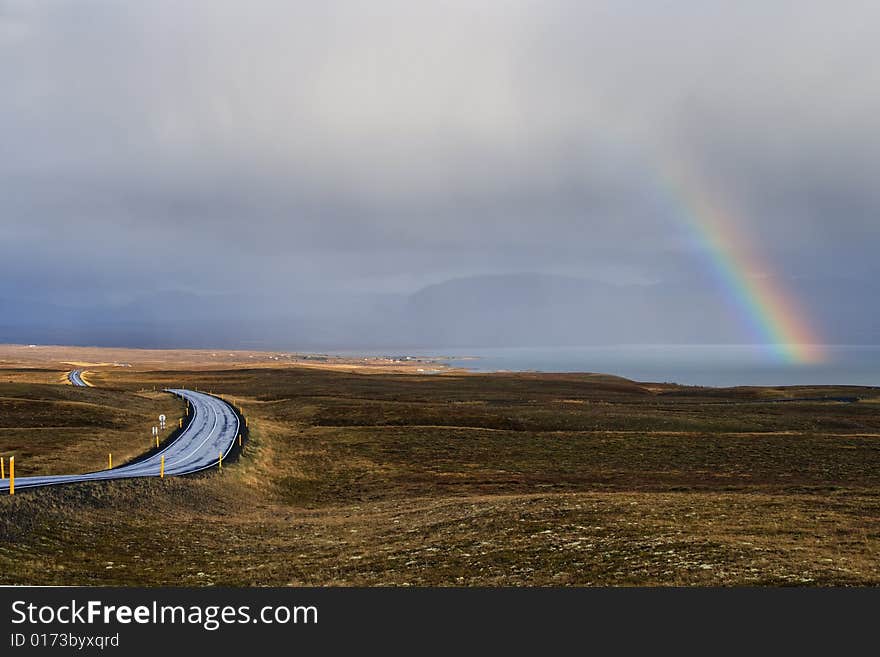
162,468
220,461
12,475
239,440
157,441
110,461
180,424
2,469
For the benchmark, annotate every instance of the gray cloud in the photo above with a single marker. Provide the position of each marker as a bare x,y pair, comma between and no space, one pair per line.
384,146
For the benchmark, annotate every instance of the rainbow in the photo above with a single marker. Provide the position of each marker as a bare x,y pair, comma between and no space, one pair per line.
771,312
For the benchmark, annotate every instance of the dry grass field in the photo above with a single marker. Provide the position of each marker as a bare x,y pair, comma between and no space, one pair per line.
365,476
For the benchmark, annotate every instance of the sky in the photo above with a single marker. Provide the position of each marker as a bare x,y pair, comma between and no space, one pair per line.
301,151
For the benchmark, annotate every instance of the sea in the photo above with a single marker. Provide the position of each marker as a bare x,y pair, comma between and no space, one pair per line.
701,365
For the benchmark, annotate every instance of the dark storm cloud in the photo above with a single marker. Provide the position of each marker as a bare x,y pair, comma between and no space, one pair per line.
379,147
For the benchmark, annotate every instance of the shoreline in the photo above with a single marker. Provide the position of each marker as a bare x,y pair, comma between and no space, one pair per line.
720,366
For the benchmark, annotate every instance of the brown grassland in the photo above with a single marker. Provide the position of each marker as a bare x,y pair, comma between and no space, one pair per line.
374,475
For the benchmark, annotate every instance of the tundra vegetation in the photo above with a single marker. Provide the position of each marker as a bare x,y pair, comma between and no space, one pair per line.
359,476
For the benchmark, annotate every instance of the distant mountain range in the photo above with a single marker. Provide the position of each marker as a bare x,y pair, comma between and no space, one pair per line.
499,310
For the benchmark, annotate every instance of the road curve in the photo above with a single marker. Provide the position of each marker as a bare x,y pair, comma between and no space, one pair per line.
213,430
75,378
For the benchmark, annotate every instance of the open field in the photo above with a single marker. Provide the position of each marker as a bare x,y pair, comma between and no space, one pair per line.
461,479
37,363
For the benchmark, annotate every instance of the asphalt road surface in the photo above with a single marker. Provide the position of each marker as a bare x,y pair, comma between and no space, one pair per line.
75,377
213,430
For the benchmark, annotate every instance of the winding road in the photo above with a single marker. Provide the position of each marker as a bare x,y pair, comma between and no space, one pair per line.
75,378
213,429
